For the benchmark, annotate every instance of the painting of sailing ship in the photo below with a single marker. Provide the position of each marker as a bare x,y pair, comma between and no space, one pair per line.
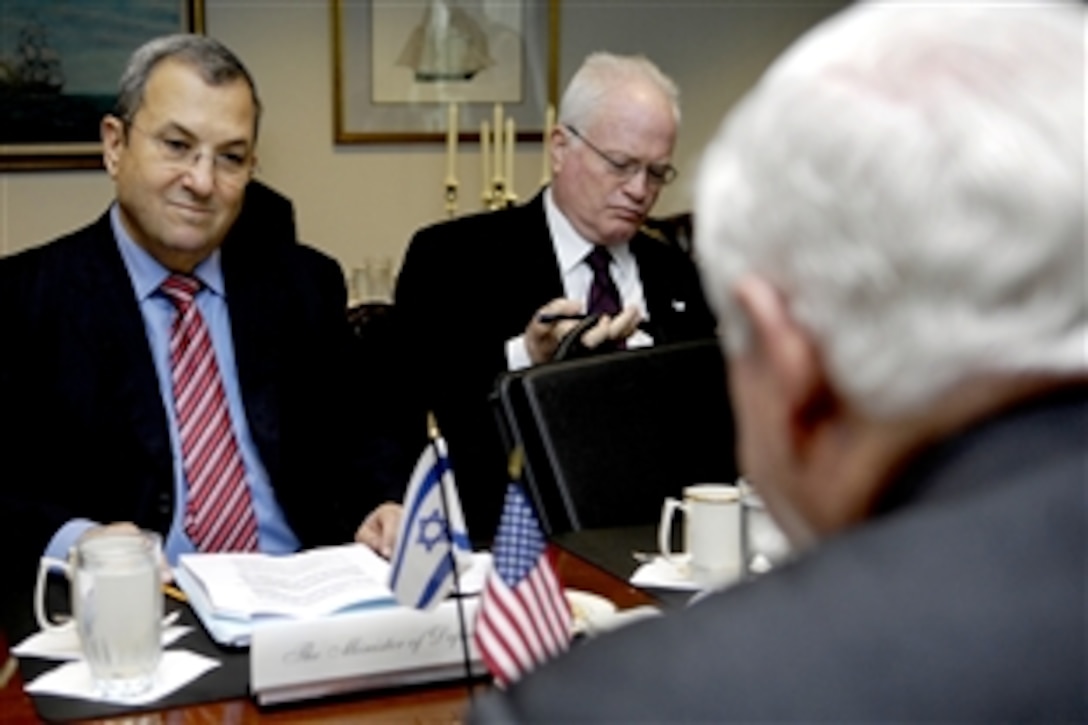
397,66
59,64
447,50
37,67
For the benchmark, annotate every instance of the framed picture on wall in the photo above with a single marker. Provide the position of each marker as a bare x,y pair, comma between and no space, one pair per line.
59,65
397,67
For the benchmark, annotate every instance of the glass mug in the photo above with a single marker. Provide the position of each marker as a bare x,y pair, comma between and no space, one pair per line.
712,532
117,604
765,545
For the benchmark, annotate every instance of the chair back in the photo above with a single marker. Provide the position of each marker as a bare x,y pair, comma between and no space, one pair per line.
607,438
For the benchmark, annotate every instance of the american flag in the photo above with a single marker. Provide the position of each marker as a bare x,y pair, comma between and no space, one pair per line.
524,618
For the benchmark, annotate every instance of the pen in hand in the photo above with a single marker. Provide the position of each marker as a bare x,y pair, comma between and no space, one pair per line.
548,318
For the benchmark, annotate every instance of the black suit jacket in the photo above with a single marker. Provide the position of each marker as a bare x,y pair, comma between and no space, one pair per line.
83,430
470,284
965,600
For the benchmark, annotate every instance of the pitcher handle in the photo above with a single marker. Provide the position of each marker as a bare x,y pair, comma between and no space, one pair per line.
47,563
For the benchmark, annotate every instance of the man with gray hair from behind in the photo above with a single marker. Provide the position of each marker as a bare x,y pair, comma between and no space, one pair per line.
892,228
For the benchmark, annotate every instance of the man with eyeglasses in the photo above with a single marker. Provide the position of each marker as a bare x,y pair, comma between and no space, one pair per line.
168,368
495,291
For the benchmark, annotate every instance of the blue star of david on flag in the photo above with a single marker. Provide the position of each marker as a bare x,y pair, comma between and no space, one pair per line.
432,530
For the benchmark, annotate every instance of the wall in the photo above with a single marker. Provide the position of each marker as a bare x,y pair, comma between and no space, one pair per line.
362,202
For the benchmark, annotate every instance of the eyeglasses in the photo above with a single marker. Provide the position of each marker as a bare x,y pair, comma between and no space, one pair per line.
179,150
625,168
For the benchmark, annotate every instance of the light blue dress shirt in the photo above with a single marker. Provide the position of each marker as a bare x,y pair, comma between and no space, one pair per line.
147,275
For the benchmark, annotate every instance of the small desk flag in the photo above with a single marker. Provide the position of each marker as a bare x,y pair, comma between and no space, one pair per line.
524,618
432,534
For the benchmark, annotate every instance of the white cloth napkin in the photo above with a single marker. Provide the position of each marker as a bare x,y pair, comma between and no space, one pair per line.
73,679
63,643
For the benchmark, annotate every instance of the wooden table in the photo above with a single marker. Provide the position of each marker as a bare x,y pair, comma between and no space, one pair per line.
435,703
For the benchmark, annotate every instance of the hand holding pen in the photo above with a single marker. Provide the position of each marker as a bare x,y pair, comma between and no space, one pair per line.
550,318
547,318
549,325
560,317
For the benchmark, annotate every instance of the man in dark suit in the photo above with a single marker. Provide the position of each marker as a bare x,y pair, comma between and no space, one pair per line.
89,411
471,291
892,228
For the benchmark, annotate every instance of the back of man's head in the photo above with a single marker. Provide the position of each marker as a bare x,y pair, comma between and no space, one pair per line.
912,179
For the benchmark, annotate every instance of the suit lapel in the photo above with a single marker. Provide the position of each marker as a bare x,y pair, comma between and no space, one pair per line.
538,274
254,309
655,286
674,310
105,318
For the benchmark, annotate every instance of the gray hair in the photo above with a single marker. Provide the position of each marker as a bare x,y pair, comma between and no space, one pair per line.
600,74
911,179
215,62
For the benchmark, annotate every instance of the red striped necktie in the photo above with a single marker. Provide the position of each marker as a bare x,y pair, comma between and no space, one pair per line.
219,511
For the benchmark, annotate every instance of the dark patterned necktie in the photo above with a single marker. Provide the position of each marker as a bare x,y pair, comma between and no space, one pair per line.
604,297
219,511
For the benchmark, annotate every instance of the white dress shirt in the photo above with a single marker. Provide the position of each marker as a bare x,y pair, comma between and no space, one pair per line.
571,249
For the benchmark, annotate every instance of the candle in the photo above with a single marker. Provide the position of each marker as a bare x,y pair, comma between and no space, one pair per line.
497,130
451,145
508,156
546,164
485,141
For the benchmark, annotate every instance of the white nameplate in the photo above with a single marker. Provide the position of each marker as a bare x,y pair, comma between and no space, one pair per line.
368,649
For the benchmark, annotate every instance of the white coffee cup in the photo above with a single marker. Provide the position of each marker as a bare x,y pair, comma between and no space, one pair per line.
712,533
117,603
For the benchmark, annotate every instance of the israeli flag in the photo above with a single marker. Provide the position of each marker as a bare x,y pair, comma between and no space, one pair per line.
432,534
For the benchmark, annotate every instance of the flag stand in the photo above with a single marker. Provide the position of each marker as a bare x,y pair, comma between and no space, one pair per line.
432,434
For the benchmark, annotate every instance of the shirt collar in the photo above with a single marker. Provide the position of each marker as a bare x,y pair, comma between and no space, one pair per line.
571,247
147,274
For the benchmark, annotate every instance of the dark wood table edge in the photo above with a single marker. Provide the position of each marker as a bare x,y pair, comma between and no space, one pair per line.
445,701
